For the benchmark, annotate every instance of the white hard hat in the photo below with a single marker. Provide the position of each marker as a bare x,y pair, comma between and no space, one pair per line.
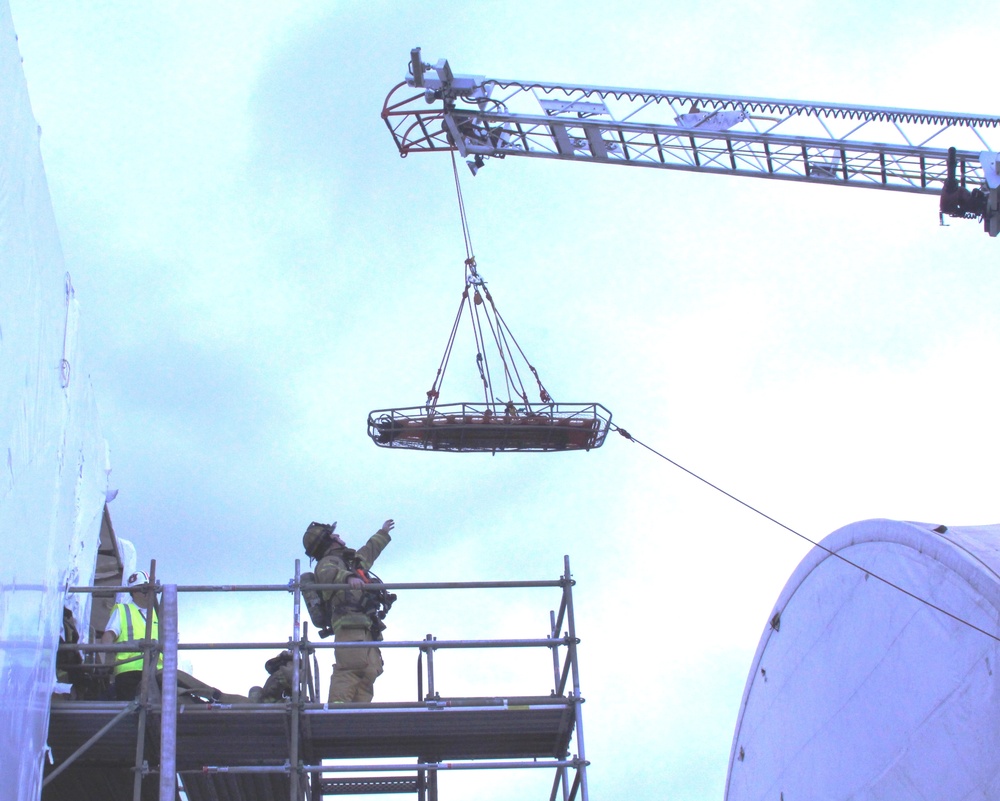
139,577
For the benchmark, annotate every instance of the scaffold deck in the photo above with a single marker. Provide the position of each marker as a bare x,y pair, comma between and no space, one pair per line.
215,741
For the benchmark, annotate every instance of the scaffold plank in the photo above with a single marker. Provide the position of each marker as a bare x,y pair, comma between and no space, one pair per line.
258,734
235,786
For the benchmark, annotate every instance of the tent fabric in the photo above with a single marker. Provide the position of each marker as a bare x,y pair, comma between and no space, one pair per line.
55,461
861,689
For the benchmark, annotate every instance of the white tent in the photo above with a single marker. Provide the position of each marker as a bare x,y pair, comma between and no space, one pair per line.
53,480
876,677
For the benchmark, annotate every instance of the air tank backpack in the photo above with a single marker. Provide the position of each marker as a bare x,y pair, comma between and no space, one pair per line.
375,604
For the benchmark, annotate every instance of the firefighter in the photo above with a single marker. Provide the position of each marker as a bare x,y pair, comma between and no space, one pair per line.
354,613
278,687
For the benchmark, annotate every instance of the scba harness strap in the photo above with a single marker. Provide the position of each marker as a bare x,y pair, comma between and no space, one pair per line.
375,604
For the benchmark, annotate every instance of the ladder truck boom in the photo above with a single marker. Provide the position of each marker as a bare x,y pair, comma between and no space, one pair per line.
954,156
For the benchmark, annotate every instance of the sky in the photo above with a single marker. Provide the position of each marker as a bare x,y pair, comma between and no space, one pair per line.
257,269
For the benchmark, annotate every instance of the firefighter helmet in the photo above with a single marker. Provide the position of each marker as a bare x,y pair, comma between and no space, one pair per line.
317,538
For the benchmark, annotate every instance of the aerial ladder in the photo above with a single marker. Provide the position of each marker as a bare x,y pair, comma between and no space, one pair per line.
954,156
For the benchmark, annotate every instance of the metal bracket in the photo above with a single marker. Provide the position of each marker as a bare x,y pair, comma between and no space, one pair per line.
991,220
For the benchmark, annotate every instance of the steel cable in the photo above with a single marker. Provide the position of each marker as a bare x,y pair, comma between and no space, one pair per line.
815,544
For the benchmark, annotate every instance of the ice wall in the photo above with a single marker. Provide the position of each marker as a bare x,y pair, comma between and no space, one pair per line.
53,460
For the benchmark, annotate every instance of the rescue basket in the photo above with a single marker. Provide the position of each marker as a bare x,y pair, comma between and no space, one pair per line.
494,427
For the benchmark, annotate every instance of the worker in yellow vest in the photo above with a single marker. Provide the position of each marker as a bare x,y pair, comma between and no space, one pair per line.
128,624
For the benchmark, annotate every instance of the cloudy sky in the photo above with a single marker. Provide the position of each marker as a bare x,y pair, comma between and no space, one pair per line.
257,269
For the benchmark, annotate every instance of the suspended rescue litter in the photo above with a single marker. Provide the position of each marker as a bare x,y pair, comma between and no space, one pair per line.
493,424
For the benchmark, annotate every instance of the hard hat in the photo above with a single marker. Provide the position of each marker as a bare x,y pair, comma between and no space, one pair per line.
317,538
139,577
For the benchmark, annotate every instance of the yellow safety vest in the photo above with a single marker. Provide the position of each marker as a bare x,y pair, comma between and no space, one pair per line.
127,660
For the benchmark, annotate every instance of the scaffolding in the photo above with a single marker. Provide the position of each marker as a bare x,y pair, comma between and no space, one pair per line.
173,744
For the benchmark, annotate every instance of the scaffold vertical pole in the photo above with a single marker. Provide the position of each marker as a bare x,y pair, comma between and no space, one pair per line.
147,678
554,623
554,634
168,707
575,667
294,774
420,678
433,782
430,668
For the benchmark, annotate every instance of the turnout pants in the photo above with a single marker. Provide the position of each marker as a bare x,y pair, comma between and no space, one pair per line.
356,669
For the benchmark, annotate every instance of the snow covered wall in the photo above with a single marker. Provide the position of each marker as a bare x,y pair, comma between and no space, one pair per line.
53,474
861,691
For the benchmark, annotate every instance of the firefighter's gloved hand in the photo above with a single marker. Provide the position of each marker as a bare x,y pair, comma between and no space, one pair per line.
356,581
388,525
